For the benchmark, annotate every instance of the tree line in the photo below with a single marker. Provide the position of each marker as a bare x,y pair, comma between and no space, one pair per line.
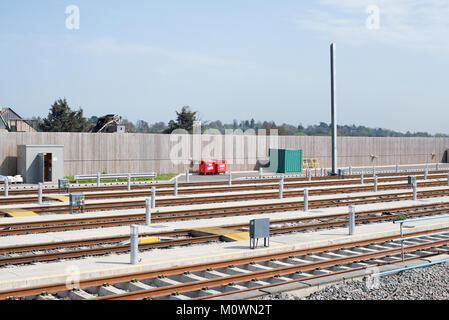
61,118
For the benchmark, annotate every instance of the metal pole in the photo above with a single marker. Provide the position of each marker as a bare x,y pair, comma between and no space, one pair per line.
351,219
129,182
187,176
375,183
175,187
322,172
147,211
309,175
39,193
230,178
397,168
426,171
361,178
260,173
153,197
281,187
448,179
374,171
306,199
437,166
333,111
6,181
402,242
414,191
98,179
134,230
350,170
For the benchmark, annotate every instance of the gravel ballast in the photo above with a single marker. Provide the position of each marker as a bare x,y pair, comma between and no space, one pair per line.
426,283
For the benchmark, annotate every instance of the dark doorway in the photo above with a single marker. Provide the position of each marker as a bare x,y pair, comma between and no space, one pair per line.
45,166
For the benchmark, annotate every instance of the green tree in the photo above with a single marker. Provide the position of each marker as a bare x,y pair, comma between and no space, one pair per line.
184,120
63,119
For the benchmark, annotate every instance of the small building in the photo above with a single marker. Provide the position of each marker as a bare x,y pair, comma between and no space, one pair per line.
10,121
40,163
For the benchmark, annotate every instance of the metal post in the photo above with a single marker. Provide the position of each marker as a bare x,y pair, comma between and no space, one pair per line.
333,111
309,175
187,176
397,168
281,187
6,181
322,172
350,170
351,219
437,166
361,178
230,178
374,171
147,211
98,179
375,183
134,230
448,179
39,193
260,173
402,242
175,187
306,199
414,191
426,171
129,182
153,197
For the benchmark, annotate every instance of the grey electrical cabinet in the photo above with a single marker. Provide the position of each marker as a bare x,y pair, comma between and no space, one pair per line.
63,184
76,202
259,228
411,180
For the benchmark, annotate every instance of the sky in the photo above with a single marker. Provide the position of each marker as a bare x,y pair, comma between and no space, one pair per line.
234,59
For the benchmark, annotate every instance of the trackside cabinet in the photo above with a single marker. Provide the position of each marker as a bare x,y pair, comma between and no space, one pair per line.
259,228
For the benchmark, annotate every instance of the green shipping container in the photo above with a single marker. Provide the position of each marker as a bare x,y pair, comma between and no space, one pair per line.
287,160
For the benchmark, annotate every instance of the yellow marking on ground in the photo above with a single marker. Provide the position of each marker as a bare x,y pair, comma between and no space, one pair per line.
197,258
237,236
59,198
230,234
148,240
18,212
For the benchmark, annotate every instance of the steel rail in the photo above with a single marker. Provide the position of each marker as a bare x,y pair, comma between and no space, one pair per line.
85,283
95,251
224,182
238,278
115,220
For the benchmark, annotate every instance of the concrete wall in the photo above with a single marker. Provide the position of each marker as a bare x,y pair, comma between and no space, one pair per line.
113,153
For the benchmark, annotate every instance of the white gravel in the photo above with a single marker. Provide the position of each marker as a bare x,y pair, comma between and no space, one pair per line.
427,283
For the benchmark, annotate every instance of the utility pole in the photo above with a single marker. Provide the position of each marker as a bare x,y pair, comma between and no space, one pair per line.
333,112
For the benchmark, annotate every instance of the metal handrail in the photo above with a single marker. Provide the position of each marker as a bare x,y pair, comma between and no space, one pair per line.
421,236
100,176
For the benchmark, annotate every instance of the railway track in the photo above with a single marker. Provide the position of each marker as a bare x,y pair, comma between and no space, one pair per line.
220,278
176,201
15,228
247,186
81,248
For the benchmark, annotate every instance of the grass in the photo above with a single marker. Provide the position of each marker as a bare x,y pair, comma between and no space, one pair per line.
164,176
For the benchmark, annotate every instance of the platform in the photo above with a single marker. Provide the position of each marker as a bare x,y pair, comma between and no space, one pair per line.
114,264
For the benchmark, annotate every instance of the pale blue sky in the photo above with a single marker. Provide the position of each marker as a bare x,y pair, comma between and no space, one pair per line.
234,59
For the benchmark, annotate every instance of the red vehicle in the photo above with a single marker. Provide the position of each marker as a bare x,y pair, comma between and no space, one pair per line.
207,166
220,166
